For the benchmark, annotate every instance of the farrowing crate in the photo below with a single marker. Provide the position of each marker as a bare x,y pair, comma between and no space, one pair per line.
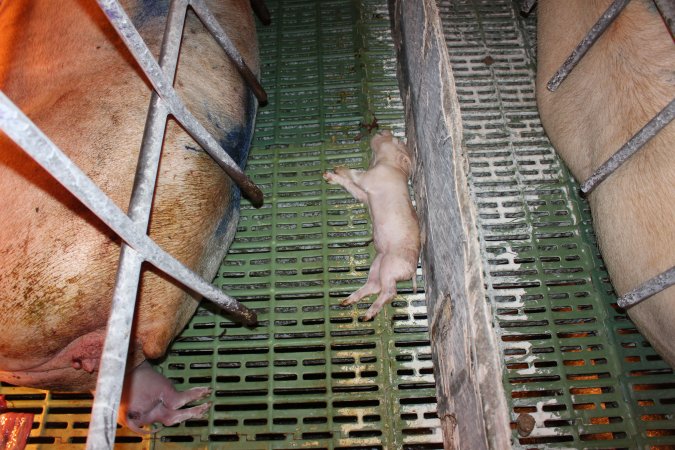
312,375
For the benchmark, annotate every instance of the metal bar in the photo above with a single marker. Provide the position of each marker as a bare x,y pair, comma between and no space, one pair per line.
126,30
586,43
667,10
26,134
226,44
648,288
527,6
261,11
663,118
101,435
112,367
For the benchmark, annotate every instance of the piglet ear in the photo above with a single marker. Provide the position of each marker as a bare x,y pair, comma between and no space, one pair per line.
404,162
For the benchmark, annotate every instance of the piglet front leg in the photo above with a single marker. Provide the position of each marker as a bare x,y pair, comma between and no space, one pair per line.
349,179
149,397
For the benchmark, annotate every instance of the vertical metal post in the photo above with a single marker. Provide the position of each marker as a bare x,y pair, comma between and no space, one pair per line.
164,100
112,368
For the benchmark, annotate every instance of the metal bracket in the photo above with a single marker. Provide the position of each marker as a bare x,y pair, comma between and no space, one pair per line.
527,6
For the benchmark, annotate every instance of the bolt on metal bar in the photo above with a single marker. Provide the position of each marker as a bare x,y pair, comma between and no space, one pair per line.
663,118
526,6
667,10
27,135
586,43
112,367
226,44
647,289
126,30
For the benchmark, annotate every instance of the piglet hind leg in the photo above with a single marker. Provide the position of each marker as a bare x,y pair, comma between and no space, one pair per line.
175,399
171,416
371,287
391,270
387,293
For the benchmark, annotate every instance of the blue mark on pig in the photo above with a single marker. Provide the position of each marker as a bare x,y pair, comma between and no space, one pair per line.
149,9
237,144
236,140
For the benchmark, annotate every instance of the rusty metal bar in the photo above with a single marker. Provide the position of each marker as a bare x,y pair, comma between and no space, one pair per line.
663,118
586,43
667,10
648,288
126,30
261,11
112,368
226,44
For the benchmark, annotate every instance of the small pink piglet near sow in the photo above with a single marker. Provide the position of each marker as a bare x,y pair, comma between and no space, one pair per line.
396,234
148,397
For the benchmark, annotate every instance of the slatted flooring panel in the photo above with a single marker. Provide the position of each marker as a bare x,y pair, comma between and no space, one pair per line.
312,374
573,361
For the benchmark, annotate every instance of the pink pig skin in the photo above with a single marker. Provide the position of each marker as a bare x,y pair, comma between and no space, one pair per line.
149,398
396,234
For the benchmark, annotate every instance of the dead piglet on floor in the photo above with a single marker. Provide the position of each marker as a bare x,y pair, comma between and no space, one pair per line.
384,189
149,398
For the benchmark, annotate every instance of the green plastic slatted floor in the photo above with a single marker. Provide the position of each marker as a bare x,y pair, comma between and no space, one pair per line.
311,374
574,362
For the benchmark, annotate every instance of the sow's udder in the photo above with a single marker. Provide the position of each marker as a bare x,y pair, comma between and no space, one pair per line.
74,368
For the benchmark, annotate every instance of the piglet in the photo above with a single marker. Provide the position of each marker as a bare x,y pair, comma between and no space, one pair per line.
149,397
384,189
